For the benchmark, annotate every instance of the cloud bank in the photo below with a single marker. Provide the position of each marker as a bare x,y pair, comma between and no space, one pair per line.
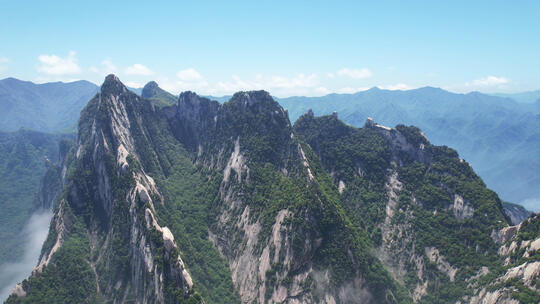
138,69
3,64
355,73
52,67
58,66
34,234
532,204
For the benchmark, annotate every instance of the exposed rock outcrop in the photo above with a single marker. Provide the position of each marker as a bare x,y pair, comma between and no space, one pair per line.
516,213
520,266
276,263
400,144
430,210
316,213
107,153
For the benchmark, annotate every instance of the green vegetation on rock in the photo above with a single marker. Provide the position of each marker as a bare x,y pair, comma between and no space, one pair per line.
260,210
26,155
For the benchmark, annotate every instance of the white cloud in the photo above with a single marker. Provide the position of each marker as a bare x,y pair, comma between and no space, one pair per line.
3,62
532,204
397,86
138,69
299,81
188,79
98,72
108,66
177,86
355,73
237,84
189,75
349,90
488,81
32,236
191,79
301,84
133,84
322,91
58,66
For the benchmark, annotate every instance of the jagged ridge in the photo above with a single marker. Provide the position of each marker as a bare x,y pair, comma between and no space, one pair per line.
429,215
105,222
260,210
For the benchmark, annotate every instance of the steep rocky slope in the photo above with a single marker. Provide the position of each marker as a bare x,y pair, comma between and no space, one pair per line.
276,218
25,157
516,281
429,215
516,212
105,242
25,200
498,136
232,204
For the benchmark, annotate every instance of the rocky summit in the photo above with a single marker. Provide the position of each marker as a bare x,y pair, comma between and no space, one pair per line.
194,201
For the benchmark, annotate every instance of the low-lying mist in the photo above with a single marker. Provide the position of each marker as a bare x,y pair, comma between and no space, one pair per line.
532,204
33,234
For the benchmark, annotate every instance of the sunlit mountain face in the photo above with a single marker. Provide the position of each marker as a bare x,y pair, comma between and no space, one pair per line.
201,201
364,152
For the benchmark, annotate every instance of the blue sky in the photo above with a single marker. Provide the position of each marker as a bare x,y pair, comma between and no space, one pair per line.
288,48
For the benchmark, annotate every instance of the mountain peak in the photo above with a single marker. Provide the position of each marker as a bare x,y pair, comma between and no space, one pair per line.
370,123
150,90
253,97
188,94
189,97
157,95
258,102
113,85
151,84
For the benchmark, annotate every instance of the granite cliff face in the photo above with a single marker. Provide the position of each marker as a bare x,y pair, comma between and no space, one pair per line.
229,203
108,206
497,136
516,213
517,281
283,236
429,216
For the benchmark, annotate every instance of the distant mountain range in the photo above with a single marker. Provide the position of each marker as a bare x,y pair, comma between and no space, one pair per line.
208,202
22,166
524,97
48,107
497,135
25,156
